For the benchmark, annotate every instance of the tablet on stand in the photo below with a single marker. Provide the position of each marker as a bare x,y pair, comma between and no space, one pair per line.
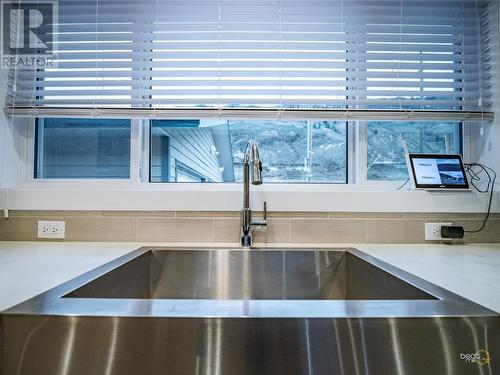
437,172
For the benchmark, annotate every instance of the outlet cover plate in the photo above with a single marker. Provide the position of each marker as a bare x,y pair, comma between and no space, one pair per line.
433,231
51,229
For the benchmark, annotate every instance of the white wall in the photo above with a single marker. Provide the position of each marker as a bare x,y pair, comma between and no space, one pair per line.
490,147
488,141
5,134
4,131
228,197
11,147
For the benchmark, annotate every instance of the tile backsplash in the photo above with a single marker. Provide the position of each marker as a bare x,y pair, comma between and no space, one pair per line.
223,227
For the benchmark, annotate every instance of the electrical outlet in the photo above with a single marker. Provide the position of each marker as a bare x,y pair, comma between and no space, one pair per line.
433,231
51,229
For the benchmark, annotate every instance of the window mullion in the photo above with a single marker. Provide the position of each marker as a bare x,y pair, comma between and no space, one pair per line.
361,145
135,150
145,149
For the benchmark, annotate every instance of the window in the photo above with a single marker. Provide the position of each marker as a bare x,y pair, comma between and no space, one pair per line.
213,150
385,151
82,148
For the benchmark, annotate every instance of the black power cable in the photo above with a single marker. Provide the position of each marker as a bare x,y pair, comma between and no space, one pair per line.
475,170
402,186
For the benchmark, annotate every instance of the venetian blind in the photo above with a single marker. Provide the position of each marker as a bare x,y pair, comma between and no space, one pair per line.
357,54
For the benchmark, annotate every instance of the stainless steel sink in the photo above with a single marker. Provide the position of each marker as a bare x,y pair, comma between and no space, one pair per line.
261,311
252,275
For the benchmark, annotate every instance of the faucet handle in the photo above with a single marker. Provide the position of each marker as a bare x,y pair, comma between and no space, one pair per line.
260,224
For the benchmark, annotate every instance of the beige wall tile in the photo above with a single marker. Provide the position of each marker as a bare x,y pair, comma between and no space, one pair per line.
18,229
395,231
207,214
278,231
327,230
492,231
137,213
17,213
227,230
60,213
100,229
175,230
365,215
294,214
440,216
224,226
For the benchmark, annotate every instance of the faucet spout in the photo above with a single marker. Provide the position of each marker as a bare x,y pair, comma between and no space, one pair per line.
252,156
252,171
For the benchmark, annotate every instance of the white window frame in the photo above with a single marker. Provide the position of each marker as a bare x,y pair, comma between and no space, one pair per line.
136,160
136,193
350,167
140,169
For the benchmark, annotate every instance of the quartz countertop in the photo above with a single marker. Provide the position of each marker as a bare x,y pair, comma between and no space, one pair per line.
30,268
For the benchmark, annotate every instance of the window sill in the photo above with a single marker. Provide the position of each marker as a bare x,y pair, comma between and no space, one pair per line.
228,197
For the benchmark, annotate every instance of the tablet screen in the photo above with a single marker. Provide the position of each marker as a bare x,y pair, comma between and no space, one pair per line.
438,171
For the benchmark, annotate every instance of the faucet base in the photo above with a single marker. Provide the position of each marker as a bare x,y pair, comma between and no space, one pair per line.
246,240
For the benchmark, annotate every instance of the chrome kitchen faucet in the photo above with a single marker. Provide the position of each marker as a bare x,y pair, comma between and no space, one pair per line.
251,161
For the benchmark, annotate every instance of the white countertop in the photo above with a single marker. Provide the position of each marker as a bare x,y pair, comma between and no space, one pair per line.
30,268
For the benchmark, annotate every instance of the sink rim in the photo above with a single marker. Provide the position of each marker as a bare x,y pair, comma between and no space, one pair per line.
54,302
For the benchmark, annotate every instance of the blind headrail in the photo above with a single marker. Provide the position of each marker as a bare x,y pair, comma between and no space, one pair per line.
267,113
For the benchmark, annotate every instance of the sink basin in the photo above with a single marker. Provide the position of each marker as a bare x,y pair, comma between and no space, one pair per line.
255,275
261,283
162,311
